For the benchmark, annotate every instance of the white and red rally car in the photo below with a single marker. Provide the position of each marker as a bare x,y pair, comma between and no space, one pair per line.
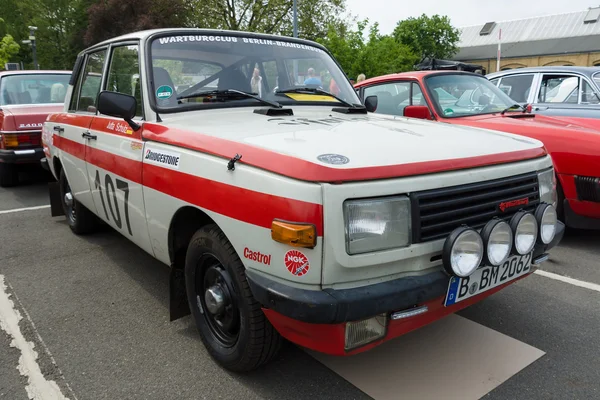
284,209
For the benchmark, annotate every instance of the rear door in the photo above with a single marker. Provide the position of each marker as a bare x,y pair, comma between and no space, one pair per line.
114,152
67,128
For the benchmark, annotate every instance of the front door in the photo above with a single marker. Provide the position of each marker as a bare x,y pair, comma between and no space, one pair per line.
114,154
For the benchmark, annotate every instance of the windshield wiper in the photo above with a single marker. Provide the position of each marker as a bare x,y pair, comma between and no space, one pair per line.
229,92
319,91
511,107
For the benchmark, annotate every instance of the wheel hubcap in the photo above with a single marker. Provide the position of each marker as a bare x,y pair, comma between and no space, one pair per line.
217,301
69,199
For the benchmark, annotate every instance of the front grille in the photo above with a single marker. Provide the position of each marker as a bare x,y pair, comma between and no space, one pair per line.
437,212
588,188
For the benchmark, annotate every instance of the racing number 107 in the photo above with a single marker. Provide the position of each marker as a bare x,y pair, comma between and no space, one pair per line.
112,199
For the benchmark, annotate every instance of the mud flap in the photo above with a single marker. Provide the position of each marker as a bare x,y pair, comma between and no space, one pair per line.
178,302
56,208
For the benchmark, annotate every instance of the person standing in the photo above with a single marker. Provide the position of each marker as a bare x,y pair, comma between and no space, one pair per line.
360,78
256,82
312,79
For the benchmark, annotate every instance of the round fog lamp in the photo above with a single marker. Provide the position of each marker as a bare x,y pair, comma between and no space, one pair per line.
525,230
546,218
463,252
498,240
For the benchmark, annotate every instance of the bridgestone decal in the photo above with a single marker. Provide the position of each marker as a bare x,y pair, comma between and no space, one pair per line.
162,157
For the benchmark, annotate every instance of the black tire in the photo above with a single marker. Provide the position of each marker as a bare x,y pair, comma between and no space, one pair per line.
80,219
560,202
256,341
9,175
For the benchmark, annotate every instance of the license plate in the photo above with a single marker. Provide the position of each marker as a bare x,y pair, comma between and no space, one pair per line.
487,278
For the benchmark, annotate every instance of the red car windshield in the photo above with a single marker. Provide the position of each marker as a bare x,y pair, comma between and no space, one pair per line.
466,95
33,89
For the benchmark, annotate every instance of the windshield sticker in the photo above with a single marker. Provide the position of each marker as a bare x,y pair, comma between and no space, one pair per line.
311,97
448,111
296,262
162,158
164,92
235,39
336,159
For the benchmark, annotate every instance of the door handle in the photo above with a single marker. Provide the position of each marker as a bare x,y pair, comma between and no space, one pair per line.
59,129
87,135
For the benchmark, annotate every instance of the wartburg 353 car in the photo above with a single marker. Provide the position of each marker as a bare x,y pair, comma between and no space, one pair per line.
285,211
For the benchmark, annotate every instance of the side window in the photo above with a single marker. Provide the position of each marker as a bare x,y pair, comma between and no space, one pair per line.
495,81
559,89
88,85
517,87
391,97
588,95
124,74
417,98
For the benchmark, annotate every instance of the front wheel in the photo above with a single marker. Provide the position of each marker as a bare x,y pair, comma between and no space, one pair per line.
80,219
231,323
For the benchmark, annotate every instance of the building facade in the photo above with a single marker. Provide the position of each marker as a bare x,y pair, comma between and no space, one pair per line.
563,39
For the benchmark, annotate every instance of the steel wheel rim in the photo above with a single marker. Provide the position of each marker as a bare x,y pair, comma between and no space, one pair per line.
222,319
69,202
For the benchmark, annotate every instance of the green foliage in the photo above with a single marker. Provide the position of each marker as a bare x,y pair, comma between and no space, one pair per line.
428,37
8,48
379,55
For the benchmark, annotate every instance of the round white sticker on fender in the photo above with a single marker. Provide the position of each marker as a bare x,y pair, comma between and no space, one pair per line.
296,262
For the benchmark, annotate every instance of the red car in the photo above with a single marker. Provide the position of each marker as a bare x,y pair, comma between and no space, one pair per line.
469,99
26,99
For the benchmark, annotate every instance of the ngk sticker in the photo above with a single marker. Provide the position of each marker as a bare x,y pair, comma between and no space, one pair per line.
296,262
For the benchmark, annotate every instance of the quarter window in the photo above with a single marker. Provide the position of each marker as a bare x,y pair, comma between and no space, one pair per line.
124,74
588,94
88,86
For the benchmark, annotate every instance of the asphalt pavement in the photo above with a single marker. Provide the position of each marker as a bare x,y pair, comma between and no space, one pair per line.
96,310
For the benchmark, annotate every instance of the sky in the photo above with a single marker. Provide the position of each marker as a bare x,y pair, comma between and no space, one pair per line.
461,12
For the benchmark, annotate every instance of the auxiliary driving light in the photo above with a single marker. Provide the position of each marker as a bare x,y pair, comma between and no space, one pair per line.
359,333
546,218
463,252
525,229
497,239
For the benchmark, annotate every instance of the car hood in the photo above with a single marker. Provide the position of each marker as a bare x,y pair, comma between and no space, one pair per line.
27,117
363,141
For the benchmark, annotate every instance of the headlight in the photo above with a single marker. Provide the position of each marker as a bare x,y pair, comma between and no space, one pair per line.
525,227
547,186
497,239
463,252
546,218
377,224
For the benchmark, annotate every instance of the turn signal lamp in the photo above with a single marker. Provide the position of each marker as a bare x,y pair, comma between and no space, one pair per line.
10,141
293,234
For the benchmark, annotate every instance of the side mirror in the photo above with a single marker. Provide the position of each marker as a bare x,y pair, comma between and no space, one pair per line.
118,105
371,103
421,112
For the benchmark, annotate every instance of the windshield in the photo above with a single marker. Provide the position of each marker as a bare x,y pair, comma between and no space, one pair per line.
464,95
186,67
33,89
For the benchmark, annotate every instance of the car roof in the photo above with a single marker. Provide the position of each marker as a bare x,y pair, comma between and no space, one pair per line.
581,70
410,75
145,34
33,71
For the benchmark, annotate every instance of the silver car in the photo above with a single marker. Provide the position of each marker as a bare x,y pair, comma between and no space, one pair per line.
556,91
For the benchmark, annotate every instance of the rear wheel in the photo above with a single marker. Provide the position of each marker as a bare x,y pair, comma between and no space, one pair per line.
80,219
9,175
231,323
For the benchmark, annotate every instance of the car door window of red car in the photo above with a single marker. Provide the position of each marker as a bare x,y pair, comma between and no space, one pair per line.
559,89
391,97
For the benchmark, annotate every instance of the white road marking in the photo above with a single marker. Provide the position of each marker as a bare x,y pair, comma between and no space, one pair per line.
38,388
14,210
576,282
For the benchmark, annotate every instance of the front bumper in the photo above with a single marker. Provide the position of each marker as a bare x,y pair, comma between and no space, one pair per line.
21,156
315,318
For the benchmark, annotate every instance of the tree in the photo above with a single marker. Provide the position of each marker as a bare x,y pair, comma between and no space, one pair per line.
110,18
428,37
268,16
346,44
8,48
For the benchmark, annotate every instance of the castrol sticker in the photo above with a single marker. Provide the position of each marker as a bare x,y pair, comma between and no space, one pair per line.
296,262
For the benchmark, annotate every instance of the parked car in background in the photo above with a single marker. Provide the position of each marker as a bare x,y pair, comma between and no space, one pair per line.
554,91
26,99
465,98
